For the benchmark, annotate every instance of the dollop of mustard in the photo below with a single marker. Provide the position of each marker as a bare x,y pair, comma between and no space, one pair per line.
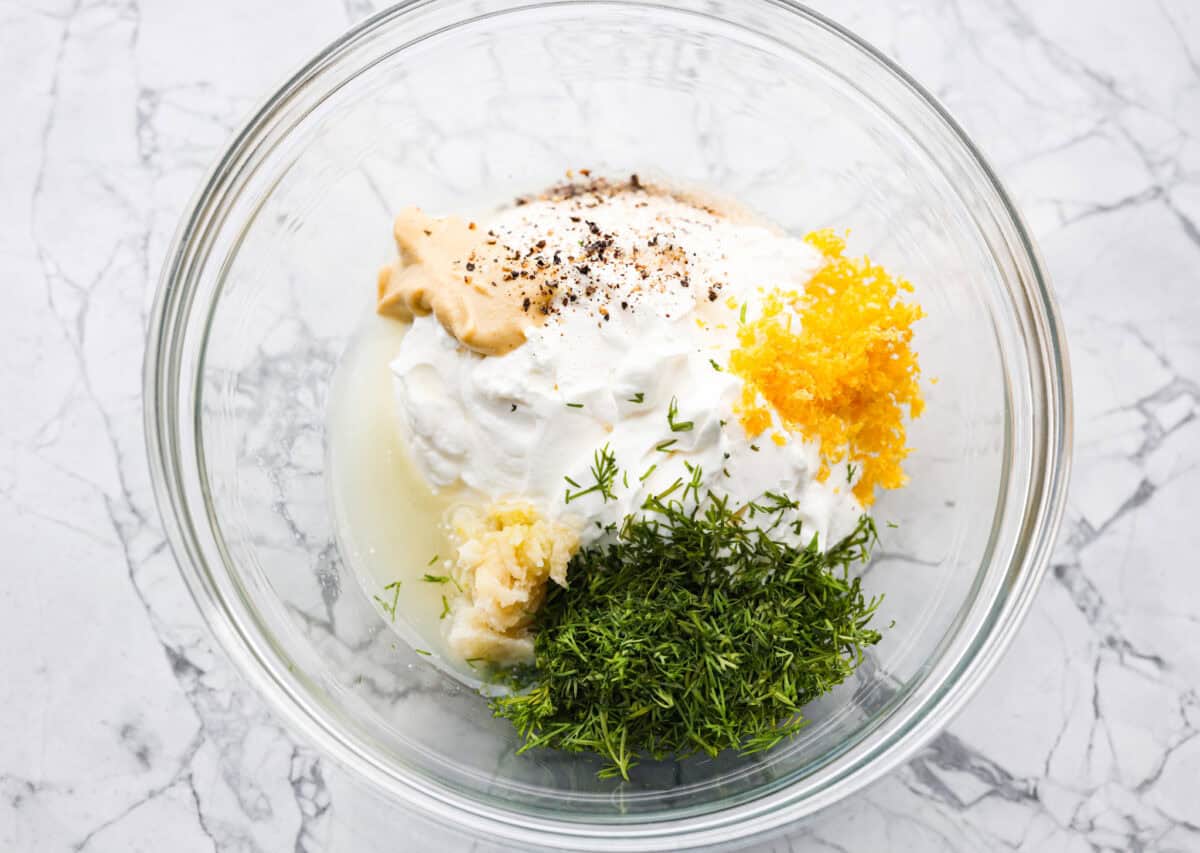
459,273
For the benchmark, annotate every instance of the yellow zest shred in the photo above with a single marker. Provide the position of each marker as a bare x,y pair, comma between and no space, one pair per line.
845,375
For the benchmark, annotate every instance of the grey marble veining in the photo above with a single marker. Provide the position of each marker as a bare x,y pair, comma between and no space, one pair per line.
125,730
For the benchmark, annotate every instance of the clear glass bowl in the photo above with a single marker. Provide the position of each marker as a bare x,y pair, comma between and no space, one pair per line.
461,105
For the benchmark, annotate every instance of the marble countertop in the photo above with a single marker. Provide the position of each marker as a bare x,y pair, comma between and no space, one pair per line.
126,730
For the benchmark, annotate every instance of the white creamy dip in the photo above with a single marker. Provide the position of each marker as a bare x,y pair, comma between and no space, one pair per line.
672,278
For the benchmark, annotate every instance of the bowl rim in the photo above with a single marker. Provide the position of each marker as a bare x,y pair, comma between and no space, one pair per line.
1042,513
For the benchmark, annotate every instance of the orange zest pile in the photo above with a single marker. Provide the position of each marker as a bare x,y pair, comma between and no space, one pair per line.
844,374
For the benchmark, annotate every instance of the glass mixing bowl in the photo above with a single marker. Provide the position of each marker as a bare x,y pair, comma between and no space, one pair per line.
460,105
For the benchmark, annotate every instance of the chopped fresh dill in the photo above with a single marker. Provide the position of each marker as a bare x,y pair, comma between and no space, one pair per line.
442,579
432,560
445,607
625,478
754,447
389,607
893,525
693,484
604,473
850,469
695,631
716,366
742,314
677,426
639,397
649,471
669,489
574,405
664,446
423,652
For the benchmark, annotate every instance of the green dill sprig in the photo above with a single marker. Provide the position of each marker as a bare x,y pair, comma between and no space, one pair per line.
639,397
677,426
668,491
389,607
697,630
693,484
604,472
428,578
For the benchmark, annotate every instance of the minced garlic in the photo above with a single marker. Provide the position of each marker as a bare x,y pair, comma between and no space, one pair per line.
844,373
506,555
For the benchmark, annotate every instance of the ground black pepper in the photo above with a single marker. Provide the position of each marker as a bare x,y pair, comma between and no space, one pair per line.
619,252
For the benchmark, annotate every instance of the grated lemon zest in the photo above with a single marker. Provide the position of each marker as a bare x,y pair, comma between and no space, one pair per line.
844,374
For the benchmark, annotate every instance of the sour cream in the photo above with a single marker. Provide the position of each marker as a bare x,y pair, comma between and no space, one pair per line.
629,368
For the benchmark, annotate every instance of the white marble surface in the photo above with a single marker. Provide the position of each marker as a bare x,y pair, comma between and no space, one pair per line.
125,730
